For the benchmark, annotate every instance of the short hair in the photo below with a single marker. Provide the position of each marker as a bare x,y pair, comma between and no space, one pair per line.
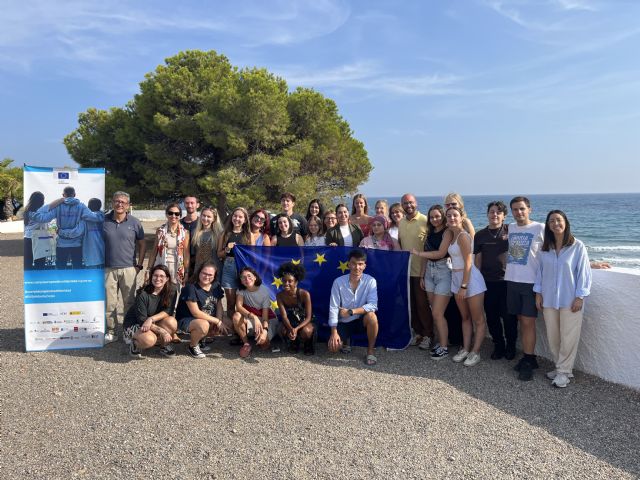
297,271
341,205
502,208
94,204
520,199
69,191
190,195
288,195
121,194
357,255
254,273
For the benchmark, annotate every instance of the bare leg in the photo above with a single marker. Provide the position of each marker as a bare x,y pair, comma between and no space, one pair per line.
476,308
467,326
370,321
438,306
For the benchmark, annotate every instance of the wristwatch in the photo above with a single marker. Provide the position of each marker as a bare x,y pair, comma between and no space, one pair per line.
140,266
350,312
464,285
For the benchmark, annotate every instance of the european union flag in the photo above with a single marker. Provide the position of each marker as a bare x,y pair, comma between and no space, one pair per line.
63,175
323,265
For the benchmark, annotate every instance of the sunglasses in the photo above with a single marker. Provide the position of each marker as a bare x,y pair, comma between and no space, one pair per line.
259,219
174,214
452,204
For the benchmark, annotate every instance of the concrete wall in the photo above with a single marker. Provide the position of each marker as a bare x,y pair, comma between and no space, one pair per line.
610,340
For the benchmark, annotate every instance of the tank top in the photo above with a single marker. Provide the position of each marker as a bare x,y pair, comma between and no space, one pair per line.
235,238
289,241
296,313
432,243
457,262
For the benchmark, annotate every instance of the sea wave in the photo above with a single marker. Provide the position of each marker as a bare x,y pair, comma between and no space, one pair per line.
622,262
610,248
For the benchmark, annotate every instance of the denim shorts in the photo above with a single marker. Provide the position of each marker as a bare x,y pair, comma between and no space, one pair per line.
229,274
475,286
437,277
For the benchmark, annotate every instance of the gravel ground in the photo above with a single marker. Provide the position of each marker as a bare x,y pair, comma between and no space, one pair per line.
99,414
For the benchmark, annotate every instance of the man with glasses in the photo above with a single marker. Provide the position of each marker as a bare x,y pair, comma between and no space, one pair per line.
190,222
412,231
123,234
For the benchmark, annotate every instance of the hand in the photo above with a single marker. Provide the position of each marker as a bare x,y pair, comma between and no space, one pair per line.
415,252
335,342
422,286
257,326
146,326
222,328
262,338
166,338
600,265
230,246
462,293
293,334
539,301
333,244
576,306
344,313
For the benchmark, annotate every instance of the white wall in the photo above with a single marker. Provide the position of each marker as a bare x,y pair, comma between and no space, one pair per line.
610,340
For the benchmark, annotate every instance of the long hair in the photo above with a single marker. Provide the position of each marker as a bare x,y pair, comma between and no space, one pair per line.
430,228
246,229
215,228
165,293
358,196
320,223
385,206
265,226
36,200
549,242
391,209
320,208
284,215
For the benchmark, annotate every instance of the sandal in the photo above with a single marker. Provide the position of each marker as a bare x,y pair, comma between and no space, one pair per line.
370,360
176,338
245,351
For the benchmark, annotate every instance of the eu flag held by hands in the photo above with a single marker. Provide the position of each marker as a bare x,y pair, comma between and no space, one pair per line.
323,265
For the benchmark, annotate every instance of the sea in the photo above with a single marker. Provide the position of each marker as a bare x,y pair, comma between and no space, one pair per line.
608,224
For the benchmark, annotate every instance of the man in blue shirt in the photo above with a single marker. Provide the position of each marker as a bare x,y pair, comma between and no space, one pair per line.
352,307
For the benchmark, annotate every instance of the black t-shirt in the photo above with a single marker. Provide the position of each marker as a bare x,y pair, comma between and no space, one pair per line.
145,306
207,301
493,245
191,226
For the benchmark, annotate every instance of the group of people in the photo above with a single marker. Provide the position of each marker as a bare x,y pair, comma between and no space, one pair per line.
504,273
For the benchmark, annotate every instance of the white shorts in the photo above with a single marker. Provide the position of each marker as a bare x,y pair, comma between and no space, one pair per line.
476,282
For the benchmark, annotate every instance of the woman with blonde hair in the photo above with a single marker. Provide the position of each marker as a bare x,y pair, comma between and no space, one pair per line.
205,237
454,199
360,213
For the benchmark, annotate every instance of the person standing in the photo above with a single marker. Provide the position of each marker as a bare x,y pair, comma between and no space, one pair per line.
344,234
412,232
287,202
171,247
525,240
123,235
490,247
562,282
190,222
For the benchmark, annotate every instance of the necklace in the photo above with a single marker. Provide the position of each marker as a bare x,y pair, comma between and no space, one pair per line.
498,232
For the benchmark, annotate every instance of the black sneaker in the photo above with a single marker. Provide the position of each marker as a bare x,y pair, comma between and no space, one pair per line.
440,353
133,350
168,351
294,346
533,363
195,352
204,346
526,372
498,351
235,341
309,348
510,352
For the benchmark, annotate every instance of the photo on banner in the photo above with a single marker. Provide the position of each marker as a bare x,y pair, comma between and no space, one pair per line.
63,258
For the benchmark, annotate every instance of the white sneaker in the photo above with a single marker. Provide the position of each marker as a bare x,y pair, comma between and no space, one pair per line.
110,338
425,343
561,380
472,359
415,340
460,356
553,373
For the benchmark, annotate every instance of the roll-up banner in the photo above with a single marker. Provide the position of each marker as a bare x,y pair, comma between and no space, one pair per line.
63,258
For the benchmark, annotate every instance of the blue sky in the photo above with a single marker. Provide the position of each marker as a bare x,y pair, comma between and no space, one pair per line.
476,96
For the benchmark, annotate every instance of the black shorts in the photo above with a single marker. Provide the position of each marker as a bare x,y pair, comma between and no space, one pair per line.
347,329
521,299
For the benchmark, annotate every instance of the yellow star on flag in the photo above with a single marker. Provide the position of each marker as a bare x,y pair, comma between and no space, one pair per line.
277,282
274,305
343,266
295,262
320,259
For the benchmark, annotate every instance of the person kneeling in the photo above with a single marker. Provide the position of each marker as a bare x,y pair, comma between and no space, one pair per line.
296,312
253,312
150,320
353,306
200,308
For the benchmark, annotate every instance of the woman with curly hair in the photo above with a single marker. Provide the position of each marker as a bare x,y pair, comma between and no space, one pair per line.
296,311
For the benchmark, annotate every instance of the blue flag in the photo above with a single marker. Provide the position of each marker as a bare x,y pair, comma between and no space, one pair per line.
323,265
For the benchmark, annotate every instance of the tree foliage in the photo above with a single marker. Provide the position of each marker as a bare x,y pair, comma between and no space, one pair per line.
201,125
10,187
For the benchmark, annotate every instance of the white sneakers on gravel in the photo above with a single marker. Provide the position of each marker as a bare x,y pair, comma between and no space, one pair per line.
561,380
425,343
460,356
552,374
110,338
472,359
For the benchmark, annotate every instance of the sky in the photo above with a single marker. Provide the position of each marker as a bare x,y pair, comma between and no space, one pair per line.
474,96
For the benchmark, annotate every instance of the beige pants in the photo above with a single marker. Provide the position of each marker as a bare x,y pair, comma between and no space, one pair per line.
124,281
563,333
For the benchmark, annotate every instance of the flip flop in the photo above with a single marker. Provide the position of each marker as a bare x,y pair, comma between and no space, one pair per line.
371,360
